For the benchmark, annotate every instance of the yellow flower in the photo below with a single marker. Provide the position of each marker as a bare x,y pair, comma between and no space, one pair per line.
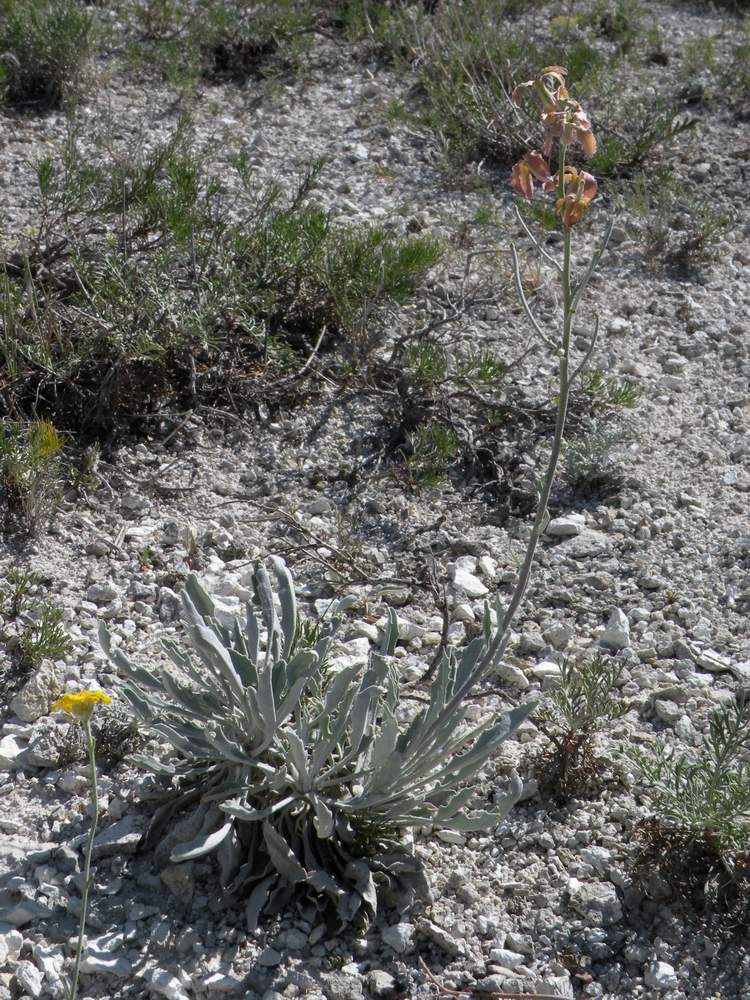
81,705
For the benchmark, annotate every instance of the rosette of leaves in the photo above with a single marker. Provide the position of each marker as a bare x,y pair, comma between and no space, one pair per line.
299,774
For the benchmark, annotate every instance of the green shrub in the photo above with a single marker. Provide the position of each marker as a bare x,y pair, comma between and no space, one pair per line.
31,469
571,716
705,793
44,45
95,325
298,772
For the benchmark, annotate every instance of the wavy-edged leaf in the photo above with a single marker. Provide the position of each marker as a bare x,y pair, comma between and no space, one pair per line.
202,844
288,602
282,856
234,807
296,756
324,823
257,901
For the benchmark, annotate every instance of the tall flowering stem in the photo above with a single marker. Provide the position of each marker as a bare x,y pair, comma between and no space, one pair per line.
565,122
81,706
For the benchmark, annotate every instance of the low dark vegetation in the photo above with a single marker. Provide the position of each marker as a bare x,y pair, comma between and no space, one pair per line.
148,284
572,715
44,46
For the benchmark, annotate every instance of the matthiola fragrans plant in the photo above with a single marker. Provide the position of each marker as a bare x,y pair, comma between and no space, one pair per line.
298,774
292,770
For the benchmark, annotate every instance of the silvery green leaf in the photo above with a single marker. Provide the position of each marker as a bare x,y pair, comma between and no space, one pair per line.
198,598
322,882
291,700
390,634
235,808
257,900
149,763
477,820
208,646
469,660
454,804
297,758
288,603
264,593
363,713
384,745
192,744
364,883
202,844
281,855
266,703
323,819
325,747
336,689
252,634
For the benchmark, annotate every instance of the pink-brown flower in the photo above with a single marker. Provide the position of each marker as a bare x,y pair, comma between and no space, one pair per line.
568,122
563,118
538,85
580,187
533,167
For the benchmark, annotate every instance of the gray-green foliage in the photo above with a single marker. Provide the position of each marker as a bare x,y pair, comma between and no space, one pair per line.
43,47
31,469
199,277
284,759
571,716
705,792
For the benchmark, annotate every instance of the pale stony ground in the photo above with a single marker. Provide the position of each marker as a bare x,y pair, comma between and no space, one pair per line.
547,902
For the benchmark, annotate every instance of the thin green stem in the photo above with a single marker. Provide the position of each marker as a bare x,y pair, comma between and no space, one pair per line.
87,863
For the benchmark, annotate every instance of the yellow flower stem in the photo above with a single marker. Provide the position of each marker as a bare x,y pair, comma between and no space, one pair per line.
86,723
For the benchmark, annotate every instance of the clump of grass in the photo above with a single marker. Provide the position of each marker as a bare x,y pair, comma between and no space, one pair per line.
432,449
570,718
32,470
701,812
191,40
590,468
44,46
469,58
682,231
705,793
188,295
44,638
632,133
605,392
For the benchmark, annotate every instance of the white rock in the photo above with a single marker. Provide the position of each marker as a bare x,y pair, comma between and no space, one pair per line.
29,978
10,753
710,660
566,526
667,711
508,959
121,837
441,937
400,937
219,982
548,672
660,976
617,633
11,942
513,675
102,963
163,983
463,613
33,700
102,593
451,837
466,582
